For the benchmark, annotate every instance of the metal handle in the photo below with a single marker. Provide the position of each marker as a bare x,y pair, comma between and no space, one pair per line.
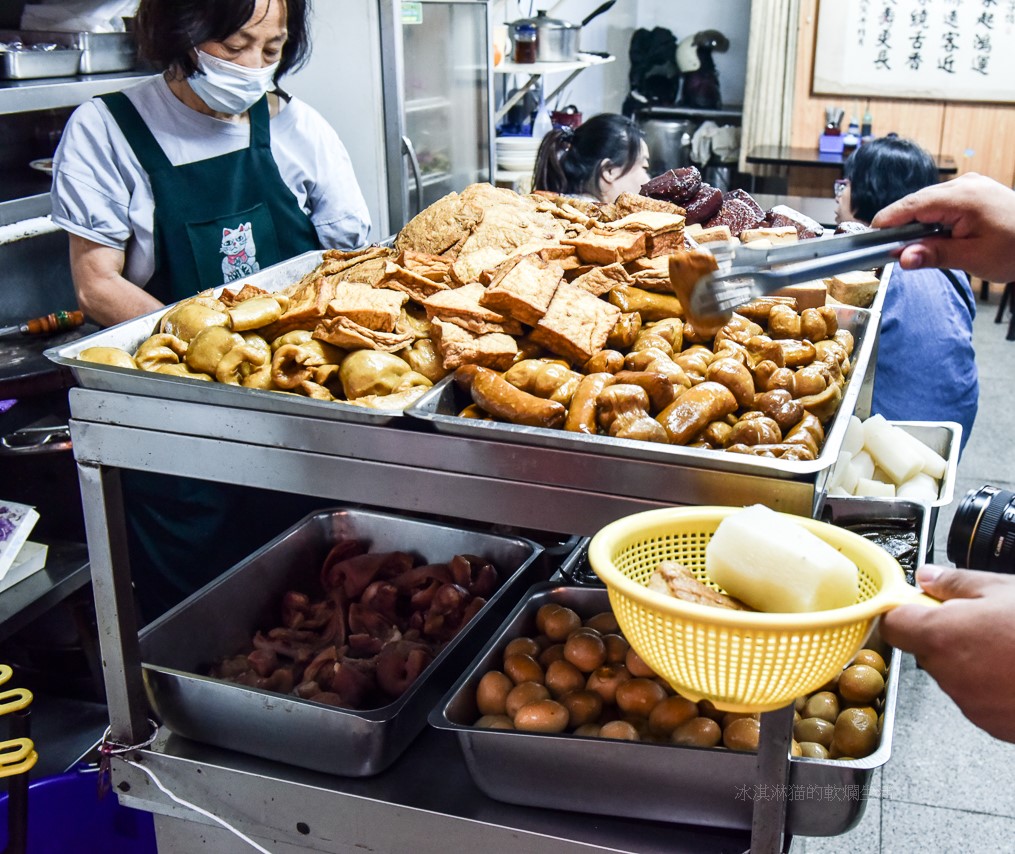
808,250
407,147
604,8
864,258
36,440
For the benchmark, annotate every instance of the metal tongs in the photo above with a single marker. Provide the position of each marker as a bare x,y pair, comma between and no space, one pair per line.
746,274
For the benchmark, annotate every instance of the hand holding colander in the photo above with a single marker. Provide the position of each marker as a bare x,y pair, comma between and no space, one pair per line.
743,661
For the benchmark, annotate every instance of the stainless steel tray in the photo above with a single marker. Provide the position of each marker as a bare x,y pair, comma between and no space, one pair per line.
440,407
127,336
100,52
220,619
685,785
911,515
35,64
843,511
944,438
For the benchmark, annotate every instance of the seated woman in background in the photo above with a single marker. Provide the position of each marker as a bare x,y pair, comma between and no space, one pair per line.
602,158
926,368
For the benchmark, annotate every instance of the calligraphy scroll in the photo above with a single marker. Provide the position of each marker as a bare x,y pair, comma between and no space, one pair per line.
941,50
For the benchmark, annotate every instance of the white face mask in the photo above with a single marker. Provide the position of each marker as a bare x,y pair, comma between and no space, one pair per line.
227,87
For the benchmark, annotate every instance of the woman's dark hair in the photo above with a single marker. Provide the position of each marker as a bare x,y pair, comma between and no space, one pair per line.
884,170
168,30
572,162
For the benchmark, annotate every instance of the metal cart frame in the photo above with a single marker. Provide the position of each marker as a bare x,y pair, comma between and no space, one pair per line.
426,802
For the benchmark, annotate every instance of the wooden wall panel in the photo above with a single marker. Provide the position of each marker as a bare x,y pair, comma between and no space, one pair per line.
808,112
921,121
981,138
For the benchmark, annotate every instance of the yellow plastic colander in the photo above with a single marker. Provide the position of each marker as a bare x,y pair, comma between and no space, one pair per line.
743,661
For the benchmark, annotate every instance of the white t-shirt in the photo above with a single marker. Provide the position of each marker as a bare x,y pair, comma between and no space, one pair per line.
101,193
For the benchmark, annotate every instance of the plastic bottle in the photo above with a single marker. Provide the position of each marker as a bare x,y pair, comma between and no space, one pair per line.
851,139
865,127
542,124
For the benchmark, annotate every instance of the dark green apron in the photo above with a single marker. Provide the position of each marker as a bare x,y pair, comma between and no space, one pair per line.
216,221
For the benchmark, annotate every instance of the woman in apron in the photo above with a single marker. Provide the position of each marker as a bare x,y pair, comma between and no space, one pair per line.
193,179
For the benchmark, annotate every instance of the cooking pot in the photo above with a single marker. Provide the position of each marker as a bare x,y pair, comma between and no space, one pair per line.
557,40
668,141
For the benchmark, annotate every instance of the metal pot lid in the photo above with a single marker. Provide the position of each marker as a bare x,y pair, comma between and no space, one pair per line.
542,21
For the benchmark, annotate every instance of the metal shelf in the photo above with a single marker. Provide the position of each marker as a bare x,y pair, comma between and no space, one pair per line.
23,96
587,60
536,70
66,570
432,178
24,206
427,105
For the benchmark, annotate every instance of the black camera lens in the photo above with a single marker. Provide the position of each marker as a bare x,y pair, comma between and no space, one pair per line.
982,535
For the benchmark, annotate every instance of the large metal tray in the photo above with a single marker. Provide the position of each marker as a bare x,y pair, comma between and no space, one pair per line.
685,785
100,52
440,407
35,64
128,335
220,619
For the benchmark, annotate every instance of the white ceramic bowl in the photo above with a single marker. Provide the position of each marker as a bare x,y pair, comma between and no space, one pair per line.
513,164
517,143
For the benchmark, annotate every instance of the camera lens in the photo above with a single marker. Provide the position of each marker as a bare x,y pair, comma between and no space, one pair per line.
982,535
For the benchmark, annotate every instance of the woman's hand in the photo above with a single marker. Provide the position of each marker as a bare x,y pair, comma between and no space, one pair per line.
967,644
103,293
981,215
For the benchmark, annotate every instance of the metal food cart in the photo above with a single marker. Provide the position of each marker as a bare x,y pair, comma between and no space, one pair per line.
426,801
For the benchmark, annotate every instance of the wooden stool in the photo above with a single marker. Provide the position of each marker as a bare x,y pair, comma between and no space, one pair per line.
1007,300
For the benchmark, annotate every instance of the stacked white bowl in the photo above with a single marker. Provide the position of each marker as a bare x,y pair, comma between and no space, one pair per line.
516,153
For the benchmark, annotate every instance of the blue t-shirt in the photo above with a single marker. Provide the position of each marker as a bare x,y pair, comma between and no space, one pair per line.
926,369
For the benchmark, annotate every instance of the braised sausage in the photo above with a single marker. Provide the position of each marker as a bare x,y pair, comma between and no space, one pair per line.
496,395
693,410
659,388
581,415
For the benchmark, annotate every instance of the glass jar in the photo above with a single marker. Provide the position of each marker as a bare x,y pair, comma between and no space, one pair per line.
526,43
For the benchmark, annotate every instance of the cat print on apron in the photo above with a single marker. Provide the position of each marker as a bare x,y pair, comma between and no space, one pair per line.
240,253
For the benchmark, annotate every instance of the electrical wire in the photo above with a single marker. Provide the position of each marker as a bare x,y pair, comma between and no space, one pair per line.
109,748
194,807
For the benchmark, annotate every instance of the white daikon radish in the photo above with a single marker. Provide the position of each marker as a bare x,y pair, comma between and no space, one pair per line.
864,465
838,470
933,463
892,453
848,478
852,442
773,564
873,425
838,492
867,488
920,487
881,476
